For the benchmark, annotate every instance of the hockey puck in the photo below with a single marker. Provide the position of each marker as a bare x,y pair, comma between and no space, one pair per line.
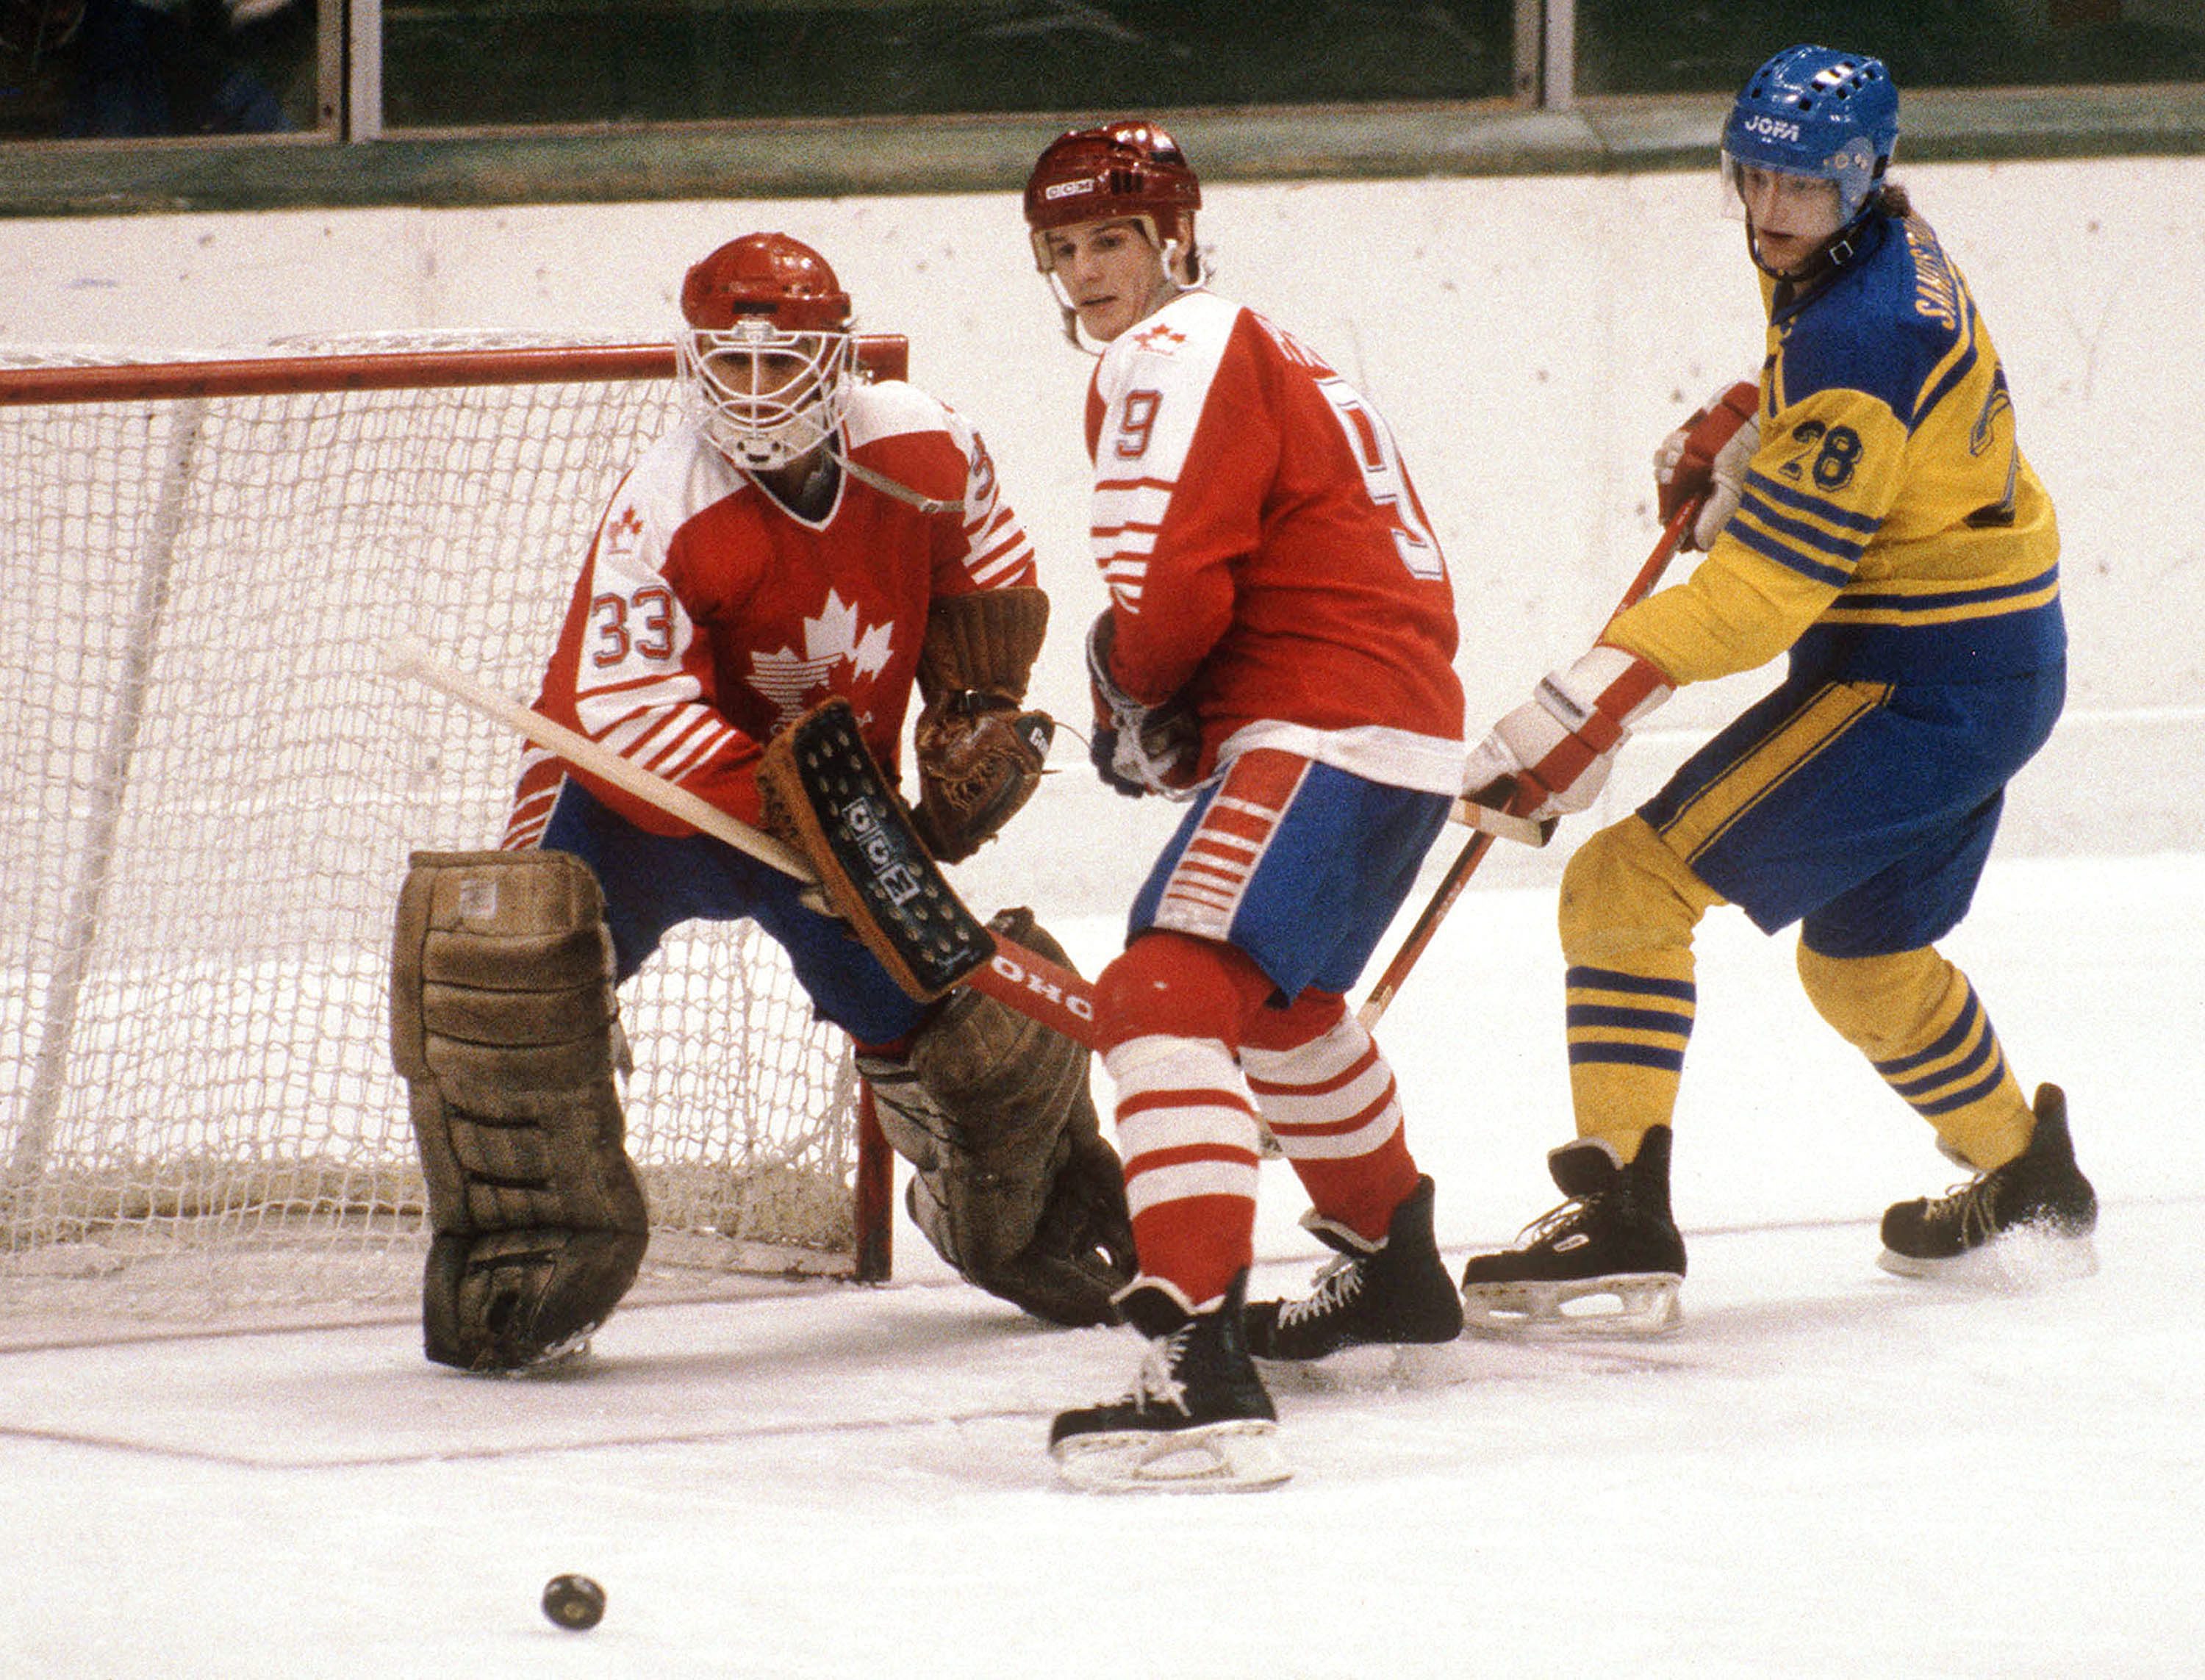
573,1602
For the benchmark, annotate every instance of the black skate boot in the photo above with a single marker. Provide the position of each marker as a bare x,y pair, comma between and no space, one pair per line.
1199,1419
2040,1193
1613,1241
1393,1292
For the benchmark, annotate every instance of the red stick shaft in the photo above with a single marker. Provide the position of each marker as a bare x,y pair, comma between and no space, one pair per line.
1035,987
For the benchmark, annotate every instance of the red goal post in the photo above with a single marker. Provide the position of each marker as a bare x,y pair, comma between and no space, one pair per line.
208,792
879,356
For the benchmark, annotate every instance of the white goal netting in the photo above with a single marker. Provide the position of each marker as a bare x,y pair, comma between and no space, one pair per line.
208,793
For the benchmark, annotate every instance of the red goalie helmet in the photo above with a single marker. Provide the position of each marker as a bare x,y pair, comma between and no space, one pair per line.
769,360
769,275
1130,168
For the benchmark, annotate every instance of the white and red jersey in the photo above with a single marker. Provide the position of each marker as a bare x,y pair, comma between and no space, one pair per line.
1266,552
708,615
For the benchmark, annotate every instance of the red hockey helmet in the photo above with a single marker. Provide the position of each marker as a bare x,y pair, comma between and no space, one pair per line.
768,275
1130,168
769,358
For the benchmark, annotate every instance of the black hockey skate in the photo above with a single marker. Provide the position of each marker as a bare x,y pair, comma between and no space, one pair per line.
2041,1193
1393,1292
1197,1421
1613,1245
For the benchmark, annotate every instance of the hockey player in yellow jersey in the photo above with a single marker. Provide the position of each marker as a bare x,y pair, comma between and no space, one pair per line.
1866,510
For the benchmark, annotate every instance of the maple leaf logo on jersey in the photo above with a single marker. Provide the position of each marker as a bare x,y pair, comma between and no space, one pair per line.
793,681
623,534
1160,339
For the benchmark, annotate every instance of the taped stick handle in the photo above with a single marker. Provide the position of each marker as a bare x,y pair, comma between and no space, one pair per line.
1501,824
1466,864
1019,978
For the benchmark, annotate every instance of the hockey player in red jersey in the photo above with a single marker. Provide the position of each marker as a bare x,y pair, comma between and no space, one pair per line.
1869,514
802,533
1278,652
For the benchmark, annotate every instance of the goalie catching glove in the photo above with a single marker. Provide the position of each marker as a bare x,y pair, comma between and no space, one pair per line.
1706,457
980,759
1551,755
980,755
1138,748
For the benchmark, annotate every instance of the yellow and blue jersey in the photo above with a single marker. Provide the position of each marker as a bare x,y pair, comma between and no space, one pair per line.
1889,528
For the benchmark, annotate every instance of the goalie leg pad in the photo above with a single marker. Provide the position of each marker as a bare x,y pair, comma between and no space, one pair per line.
514,1300
504,1025
1014,1184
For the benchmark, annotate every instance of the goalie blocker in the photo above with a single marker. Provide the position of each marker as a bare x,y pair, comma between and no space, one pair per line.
827,798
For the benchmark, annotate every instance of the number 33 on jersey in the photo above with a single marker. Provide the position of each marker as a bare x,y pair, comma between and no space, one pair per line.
1252,517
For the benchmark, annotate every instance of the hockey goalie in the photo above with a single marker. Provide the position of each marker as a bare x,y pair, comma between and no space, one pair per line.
802,535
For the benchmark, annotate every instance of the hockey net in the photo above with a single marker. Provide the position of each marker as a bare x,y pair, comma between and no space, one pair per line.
208,795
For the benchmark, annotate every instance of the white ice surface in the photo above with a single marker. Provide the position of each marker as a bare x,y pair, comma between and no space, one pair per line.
1827,1471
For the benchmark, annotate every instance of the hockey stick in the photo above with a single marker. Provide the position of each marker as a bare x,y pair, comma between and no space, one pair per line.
1015,976
1501,824
1465,865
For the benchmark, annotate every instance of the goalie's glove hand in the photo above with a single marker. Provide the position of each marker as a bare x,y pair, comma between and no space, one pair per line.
1557,748
1138,748
1706,457
980,759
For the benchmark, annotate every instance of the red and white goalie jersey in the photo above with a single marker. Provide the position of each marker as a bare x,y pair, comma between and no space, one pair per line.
708,615
1266,552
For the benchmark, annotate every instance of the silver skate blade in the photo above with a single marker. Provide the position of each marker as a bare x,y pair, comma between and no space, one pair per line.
2027,1258
1240,1457
1627,1304
1374,1367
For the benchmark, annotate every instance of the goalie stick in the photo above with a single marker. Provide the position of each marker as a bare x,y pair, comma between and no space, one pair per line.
1013,976
1465,865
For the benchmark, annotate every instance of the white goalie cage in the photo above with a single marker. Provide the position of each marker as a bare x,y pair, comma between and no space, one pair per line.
208,795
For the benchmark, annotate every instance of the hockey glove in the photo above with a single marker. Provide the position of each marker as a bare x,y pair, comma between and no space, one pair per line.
1559,747
1707,456
1138,748
980,759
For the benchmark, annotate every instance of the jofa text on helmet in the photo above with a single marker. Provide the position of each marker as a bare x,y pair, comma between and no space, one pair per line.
1771,127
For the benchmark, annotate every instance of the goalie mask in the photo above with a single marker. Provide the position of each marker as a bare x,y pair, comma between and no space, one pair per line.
1816,129
769,359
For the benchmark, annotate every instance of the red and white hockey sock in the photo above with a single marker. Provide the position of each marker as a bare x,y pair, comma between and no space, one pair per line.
1331,1102
1187,1130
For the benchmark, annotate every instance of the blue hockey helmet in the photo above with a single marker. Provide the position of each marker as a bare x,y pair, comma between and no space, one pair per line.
1817,112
